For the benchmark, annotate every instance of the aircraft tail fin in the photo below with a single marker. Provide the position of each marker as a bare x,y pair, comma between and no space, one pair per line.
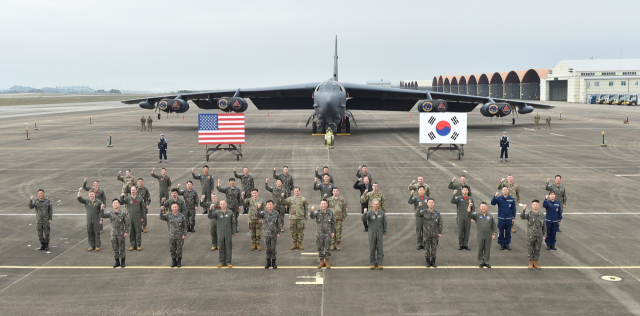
335,62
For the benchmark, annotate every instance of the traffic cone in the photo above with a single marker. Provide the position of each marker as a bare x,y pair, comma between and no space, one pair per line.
409,115
267,114
183,117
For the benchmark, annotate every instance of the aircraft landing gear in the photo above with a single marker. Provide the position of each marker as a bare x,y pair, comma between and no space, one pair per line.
158,116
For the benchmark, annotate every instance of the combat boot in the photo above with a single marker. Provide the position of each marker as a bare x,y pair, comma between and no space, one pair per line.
266,266
253,246
122,262
221,265
428,262
132,249
213,248
433,263
294,247
229,265
273,263
97,248
117,264
338,246
321,264
530,264
41,246
46,246
300,245
333,246
536,265
258,246
179,262
173,262
90,249
144,229
326,263
193,229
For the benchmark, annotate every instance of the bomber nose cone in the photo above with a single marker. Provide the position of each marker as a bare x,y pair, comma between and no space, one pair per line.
328,104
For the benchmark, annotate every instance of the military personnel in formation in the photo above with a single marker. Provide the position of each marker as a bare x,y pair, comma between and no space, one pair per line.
146,196
536,232
487,229
561,193
127,180
298,209
206,183
270,231
464,223
143,126
164,184
506,217
536,119
514,191
226,221
287,181
93,207
247,183
44,215
182,207
553,218
99,194
212,207
325,188
419,203
149,126
363,173
377,220
339,207
135,208
177,232
119,230
363,185
277,196
432,232
191,203
325,172
255,206
458,186
325,230
232,197
373,195
548,122
413,186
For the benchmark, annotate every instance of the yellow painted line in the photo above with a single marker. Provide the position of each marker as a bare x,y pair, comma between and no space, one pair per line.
313,267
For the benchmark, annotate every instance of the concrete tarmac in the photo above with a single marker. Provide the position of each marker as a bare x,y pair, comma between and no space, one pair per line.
599,238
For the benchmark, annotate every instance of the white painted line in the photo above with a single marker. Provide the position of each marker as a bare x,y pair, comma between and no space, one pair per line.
556,134
529,129
628,175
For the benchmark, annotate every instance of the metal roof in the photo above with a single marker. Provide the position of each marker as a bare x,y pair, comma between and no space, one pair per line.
603,64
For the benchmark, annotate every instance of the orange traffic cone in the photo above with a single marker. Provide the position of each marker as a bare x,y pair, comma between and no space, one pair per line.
267,114
183,117
409,115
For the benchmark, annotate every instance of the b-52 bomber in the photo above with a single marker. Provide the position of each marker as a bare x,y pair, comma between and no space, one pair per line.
332,101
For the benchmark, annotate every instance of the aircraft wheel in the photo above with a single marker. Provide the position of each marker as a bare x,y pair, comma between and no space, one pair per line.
314,128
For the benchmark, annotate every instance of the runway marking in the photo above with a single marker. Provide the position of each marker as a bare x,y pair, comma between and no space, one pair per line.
556,134
628,175
440,267
319,279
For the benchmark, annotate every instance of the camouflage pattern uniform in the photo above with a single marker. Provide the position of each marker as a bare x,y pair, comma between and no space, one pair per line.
298,208
432,227
93,220
462,218
126,181
164,184
277,197
206,183
135,209
536,119
44,213
233,199
536,229
370,196
324,189
213,230
149,126
415,186
191,202
99,196
325,225
361,174
255,224
416,200
561,194
321,177
119,226
339,207
458,186
177,229
287,183
247,184
226,228
487,228
143,127
377,223
182,206
548,122
270,230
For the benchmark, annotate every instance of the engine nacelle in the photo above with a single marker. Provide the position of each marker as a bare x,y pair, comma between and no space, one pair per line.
147,105
496,109
237,105
432,106
525,109
173,105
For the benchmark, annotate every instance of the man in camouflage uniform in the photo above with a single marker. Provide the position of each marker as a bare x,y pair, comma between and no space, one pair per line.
212,207
191,202
182,207
93,207
99,194
363,173
143,127
44,215
247,183
458,186
514,191
377,220
536,232
419,203
206,183
277,196
487,229
128,180
432,232
339,207
232,197
326,172
548,122
561,194
177,232
255,206
298,208
287,181
164,184
146,196
413,186
135,208
149,126
325,188
462,218
325,230
536,119
226,221
119,230
270,232
373,195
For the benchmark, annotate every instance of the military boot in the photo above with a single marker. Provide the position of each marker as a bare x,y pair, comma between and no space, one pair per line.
173,262
117,264
338,245
179,262
333,246
273,263
326,263
144,229
530,264
536,265
428,263
300,245
253,246
433,263
46,246
122,262
294,247
193,229
321,264
258,246
268,265
42,246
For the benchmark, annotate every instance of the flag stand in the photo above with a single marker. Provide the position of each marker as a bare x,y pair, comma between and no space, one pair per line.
452,148
231,148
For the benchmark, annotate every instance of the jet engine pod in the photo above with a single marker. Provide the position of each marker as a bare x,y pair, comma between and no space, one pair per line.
525,109
432,106
504,109
237,105
441,105
489,109
147,105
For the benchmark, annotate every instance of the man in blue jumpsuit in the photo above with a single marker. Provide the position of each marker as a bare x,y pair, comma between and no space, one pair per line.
162,148
506,216
504,147
553,217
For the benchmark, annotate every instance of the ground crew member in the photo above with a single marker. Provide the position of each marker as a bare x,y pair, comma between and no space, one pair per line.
206,183
270,231
135,208
232,197
325,230
93,207
458,186
553,218
363,185
177,232
277,196
143,127
226,221
287,184
432,232
378,222
326,187
548,122
536,119
413,186
255,205
362,173
162,149
373,195
212,207
339,207
504,147
119,230
146,196
419,203
149,122
174,199
164,183
128,180
514,191
487,229
298,208
561,193
247,184
44,215
326,171
191,203
464,223
506,216
99,194
536,232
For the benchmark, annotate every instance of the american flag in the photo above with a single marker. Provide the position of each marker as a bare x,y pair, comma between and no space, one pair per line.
221,128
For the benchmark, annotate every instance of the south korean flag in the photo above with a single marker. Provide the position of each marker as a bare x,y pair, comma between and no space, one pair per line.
443,128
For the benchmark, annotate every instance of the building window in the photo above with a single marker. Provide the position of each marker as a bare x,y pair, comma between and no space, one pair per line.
608,73
587,74
597,84
629,73
623,83
610,83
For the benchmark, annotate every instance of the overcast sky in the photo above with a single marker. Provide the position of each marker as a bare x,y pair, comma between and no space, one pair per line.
170,45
